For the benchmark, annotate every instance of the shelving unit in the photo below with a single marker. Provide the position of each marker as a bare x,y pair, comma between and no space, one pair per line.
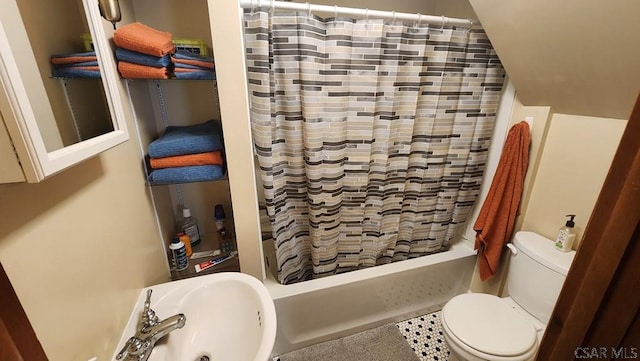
154,112
157,104
219,25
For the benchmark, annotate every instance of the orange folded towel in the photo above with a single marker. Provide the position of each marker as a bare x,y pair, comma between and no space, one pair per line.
209,158
203,64
497,217
92,68
72,60
137,71
143,39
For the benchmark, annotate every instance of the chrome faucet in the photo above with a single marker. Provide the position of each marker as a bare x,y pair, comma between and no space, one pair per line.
150,330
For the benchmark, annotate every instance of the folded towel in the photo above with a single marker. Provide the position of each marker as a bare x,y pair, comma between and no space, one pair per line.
183,57
76,72
208,158
143,39
134,57
497,217
191,139
60,59
85,63
198,173
137,71
187,55
194,74
189,66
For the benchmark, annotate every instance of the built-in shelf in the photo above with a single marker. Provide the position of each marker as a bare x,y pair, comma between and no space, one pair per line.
225,178
208,242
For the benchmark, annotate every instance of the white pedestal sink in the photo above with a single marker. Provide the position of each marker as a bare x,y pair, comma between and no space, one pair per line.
230,317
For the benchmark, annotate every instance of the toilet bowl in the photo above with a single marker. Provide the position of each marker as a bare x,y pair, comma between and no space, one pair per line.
479,326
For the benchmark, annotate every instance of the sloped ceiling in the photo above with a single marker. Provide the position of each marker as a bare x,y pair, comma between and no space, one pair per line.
578,56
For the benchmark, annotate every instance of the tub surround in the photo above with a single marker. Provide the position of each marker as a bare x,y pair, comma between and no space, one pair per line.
328,308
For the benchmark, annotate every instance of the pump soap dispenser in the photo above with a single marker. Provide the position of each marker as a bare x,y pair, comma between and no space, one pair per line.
565,238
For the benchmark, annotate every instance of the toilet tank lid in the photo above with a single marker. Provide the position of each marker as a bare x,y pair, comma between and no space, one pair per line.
542,250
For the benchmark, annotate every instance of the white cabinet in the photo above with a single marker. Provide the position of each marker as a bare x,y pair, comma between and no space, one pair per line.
54,123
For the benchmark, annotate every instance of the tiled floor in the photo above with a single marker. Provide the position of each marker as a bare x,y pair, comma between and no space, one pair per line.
424,334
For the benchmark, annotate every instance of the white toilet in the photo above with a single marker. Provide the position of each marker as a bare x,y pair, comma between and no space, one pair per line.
479,326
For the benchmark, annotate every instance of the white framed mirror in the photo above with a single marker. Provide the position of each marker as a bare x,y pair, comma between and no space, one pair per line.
55,122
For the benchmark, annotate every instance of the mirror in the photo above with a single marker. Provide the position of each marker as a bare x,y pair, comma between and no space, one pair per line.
59,28
64,113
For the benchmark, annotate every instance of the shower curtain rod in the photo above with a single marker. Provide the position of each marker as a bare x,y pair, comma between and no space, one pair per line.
419,18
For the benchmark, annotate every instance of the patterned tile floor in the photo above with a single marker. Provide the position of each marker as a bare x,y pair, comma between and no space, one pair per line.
424,335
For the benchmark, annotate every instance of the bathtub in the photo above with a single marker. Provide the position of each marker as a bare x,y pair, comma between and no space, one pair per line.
332,307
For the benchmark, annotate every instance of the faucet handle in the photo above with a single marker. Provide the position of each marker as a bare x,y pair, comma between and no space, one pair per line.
149,317
125,349
134,349
147,302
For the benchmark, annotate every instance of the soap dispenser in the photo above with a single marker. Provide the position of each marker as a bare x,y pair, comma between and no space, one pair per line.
565,238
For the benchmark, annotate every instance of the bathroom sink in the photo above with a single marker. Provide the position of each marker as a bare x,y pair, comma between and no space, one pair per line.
229,317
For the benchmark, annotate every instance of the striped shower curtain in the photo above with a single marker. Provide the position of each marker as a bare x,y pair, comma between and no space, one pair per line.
371,135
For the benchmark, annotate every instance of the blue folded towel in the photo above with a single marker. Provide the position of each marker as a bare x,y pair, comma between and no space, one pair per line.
85,63
191,139
143,59
190,66
74,72
197,173
201,75
181,54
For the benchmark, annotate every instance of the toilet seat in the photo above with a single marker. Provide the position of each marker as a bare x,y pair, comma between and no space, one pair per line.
488,328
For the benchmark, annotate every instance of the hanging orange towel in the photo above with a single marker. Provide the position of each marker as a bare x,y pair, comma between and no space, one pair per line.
208,158
143,39
137,71
498,213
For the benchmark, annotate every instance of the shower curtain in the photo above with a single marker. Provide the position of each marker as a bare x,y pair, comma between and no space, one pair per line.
371,135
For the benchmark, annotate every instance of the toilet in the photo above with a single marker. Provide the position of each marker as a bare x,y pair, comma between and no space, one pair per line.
479,326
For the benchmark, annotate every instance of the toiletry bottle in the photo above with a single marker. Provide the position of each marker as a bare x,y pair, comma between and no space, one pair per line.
565,238
187,243
179,254
190,227
226,244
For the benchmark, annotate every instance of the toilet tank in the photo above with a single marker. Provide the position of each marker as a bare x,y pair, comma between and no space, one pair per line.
536,273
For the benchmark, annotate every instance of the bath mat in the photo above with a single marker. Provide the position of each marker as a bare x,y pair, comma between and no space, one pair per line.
384,343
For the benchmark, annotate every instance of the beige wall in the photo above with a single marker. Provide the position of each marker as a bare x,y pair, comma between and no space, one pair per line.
450,8
576,158
572,55
78,248
406,6
569,159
